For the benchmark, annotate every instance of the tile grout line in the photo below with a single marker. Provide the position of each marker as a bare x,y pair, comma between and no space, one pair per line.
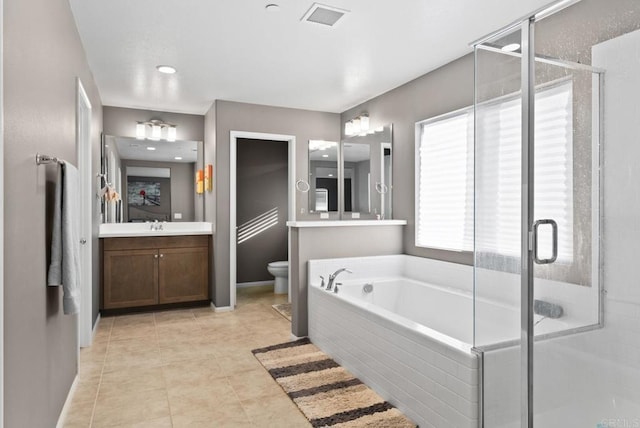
104,363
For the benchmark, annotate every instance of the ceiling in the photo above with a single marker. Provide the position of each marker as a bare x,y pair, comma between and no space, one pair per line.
236,50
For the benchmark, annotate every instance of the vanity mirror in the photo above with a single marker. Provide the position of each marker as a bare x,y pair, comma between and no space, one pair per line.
155,180
367,171
323,176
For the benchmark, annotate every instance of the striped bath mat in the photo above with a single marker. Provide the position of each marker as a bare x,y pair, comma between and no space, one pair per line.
327,394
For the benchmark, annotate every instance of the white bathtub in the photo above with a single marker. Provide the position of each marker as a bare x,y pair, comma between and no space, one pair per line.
411,339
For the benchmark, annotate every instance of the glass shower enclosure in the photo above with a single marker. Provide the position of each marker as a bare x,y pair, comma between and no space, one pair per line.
539,111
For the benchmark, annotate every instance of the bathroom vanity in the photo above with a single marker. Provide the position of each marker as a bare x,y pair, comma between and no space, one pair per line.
145,265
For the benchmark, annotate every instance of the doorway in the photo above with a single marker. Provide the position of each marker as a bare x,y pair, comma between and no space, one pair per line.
261,221
83,150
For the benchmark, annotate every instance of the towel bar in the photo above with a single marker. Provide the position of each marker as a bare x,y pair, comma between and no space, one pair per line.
46,159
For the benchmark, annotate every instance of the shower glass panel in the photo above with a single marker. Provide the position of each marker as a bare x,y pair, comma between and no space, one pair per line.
570,386
497,117
582,369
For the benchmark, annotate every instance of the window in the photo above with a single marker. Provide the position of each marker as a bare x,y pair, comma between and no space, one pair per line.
445,174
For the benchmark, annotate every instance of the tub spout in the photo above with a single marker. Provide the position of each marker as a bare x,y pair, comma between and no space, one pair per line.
333,276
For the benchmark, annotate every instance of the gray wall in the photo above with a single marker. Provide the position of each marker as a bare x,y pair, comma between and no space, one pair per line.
451,87
226,116
261,186
182,193
42,58
309,243
440,91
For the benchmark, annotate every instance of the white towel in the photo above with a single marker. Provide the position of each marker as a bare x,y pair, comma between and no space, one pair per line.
65,241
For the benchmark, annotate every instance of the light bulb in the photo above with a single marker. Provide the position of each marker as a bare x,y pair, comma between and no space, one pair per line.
156,132
348,129
171,133
364,122
141,131
357,126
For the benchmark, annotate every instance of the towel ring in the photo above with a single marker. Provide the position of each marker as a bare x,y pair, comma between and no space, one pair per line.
302,186
382,188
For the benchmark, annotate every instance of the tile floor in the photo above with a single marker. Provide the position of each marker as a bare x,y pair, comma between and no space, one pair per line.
185,368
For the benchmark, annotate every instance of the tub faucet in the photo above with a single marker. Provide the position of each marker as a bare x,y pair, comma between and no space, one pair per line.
333,276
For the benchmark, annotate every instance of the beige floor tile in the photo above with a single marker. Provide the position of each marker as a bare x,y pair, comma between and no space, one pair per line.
202,400
130,408
79,415
274,412
131,380
179,315
185,368
86,390
152,423
236,364
199,372
133,331
255,384
232,417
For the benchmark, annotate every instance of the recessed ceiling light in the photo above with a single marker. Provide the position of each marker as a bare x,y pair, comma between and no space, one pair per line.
272,7
151,148
166,69
178,158
330,175
511,47
325,156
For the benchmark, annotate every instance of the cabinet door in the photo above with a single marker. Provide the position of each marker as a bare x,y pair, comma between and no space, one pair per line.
130,278
183,274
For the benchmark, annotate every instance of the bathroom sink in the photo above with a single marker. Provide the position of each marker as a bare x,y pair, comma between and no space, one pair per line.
114,230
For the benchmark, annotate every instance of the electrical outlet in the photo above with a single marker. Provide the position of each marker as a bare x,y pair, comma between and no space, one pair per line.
177,216
324,215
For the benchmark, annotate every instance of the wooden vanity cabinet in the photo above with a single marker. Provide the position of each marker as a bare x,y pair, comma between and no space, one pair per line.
154,270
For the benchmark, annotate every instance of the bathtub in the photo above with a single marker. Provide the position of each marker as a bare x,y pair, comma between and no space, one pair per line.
408,340
412,338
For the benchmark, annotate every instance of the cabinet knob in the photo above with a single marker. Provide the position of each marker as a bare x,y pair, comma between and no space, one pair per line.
161,255
155,256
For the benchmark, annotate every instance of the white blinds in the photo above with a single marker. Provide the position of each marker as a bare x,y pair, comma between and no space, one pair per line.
445,184
445,175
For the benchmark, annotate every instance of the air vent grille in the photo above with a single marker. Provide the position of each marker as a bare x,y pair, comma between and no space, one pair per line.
325,15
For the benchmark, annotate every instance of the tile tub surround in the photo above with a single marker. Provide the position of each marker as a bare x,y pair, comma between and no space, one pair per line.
185,368
434,384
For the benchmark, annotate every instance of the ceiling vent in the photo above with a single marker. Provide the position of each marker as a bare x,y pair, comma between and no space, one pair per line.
325,15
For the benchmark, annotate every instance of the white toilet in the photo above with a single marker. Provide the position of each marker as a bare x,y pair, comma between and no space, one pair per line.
280,270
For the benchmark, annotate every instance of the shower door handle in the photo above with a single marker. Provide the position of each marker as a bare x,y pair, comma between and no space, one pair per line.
554,229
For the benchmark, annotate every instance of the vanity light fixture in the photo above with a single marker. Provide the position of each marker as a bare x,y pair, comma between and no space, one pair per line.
357,126
166,69
157,126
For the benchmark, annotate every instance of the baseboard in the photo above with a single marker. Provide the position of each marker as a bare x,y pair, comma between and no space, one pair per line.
253,284
67,403
221,309
95,327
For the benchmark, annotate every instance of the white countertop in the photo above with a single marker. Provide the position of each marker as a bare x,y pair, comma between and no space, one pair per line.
121,230
344,223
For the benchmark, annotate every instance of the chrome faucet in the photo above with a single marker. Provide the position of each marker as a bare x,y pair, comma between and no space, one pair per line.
156,225
333,276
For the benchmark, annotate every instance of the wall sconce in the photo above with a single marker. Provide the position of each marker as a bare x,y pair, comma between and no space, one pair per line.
156,130
200,182
357,126
208,178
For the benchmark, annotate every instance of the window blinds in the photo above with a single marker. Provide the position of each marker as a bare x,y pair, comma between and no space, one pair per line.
445,181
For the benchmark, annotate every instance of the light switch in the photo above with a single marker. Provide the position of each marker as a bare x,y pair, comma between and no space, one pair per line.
177,216
355,215
324,215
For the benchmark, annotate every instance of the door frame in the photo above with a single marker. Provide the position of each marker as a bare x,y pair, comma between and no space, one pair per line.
83,150
1,222
233,169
